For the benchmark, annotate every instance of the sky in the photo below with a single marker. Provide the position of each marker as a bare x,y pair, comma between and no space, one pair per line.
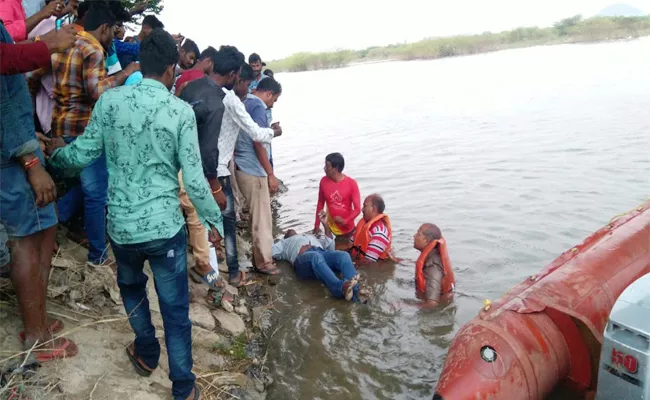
279,28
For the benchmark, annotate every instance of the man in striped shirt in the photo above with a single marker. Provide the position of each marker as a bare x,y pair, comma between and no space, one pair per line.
379,232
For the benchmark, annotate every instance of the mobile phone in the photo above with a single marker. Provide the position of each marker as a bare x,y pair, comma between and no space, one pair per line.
59,23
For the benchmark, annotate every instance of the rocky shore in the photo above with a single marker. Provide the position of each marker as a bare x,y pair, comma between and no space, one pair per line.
229,340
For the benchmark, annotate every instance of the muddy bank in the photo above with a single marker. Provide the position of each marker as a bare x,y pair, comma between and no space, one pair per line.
229,345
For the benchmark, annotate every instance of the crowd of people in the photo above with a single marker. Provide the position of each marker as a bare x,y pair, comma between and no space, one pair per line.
160,136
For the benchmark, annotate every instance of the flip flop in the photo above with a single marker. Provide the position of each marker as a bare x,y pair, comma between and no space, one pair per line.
67,350
271,270
239,280
212,279
55,327
139,368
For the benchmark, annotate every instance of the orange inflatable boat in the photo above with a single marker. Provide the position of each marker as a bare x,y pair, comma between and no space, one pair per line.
549,329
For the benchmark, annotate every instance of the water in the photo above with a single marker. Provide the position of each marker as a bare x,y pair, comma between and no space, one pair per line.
516,155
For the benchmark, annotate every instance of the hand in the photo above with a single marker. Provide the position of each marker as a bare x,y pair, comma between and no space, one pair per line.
129,39
178,38
53,144
213,236
61,40
322,216
273,183
221,200
277,130
42,184
304,248
131,68
54,7
316,231
339,220
139,8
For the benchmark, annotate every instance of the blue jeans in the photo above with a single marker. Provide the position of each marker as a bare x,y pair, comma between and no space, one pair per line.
93,194
168,261
230,228
323,265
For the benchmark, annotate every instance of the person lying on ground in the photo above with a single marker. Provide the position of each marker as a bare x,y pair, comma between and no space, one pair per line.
28,217
434,276
373,234
315,258
341,195
145,221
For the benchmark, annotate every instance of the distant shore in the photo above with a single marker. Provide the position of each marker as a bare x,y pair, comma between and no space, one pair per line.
569,30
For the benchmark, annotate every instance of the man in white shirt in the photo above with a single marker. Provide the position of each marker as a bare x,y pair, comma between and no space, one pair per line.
236,118
315,258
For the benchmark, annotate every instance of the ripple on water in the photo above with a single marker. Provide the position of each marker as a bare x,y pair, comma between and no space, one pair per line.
514,170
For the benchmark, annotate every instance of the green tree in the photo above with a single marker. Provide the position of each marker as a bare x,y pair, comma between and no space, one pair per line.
153,6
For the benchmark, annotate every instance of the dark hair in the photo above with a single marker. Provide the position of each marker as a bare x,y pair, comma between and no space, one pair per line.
152,21
157,52
82,9
210,53
246,73
121,14
229,59
269,85
253,58
268,73
377,202
190,46
99,14
336,159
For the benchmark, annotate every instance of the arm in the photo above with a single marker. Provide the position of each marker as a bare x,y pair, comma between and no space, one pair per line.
320,205
19,58
96,81
194,181
263,157
433,276
209,140
356,202
246,123
86,149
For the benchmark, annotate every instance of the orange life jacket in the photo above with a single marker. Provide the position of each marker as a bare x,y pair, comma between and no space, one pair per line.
448,283
362,237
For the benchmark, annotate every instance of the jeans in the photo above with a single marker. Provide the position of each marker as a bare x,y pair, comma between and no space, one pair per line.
323,265
230,228
168,261
93,194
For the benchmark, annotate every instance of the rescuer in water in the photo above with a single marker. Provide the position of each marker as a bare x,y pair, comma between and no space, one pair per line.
373,234
434,276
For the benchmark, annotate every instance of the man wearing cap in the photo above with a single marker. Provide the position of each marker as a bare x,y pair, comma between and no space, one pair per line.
255,61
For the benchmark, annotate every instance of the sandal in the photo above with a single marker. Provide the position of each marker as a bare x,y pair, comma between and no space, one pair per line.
66,349
197,393
212,279
140,369
268,270
55,327
239,280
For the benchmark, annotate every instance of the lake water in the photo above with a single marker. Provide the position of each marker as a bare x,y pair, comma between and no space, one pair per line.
516,155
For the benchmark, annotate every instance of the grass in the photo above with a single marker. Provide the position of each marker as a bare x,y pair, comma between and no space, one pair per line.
236,349
569,30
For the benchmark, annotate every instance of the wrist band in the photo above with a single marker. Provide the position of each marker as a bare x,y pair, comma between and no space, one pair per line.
217,191
29,164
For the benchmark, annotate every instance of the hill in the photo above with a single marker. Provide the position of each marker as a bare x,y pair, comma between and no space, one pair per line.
620,10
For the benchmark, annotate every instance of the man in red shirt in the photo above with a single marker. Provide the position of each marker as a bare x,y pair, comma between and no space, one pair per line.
202,68
341,194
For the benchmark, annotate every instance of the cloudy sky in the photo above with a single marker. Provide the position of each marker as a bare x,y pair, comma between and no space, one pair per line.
278,28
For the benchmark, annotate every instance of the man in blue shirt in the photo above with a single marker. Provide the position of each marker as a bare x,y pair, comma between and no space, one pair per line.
255,175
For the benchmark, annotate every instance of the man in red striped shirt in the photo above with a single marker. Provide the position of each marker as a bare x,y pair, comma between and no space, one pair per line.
380,236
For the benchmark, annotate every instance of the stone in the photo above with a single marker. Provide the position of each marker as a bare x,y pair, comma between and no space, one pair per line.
259,385
233,378
232,290
225,304
242,302
207,339
200,316
231,323
223,267
258,315
241,310
209,360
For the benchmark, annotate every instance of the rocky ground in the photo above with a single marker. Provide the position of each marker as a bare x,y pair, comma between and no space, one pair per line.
229,341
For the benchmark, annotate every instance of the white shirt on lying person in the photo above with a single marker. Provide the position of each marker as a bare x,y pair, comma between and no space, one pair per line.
287,249
235,118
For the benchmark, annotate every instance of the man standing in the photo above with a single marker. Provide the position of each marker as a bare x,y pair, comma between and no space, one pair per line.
26,212
79,80
147,134
255,175
373,234
205,95
255,61
434,276
341,194
202,68
315,258
236,121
